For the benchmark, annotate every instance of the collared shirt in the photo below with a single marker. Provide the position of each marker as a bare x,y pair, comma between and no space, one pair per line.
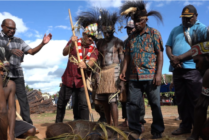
72,75
15,61
179,45
143,50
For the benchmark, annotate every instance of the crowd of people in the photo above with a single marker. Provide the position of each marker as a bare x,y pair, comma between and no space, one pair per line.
117,69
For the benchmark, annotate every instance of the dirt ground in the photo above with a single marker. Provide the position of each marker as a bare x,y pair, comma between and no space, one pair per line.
41,121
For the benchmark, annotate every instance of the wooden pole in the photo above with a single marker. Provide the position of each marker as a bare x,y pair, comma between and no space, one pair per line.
18,115
82,72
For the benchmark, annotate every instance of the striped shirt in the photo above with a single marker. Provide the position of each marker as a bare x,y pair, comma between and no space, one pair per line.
15,61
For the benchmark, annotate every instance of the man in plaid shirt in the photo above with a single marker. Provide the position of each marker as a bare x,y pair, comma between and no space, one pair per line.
18,48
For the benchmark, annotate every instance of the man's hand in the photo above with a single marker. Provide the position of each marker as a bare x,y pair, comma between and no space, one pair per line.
157,79
47,38
175,61
74,38
82,65
122,86
122,76
17,52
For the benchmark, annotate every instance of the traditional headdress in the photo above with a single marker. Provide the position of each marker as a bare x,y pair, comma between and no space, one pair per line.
199,42
108,20
136,9
90,22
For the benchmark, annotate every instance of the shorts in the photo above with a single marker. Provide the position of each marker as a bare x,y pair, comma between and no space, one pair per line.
111,98
22,127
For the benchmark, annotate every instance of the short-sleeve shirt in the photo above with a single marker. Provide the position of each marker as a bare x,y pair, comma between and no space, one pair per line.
15,61
72,75
179,45
143,50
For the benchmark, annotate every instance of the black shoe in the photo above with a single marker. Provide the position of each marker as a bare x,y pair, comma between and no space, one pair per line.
156,136
180,131
102,119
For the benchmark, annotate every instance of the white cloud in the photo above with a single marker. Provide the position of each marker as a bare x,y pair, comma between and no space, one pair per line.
49,29
168,1
106,3
48,56
196,3
38,35
67,18
29,34
160,5
63,27
148,5
79,10
39,78
37,68
20,25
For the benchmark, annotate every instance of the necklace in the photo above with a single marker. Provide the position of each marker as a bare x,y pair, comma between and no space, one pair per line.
91,47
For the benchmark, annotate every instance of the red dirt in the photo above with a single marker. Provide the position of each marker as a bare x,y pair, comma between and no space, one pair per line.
41,121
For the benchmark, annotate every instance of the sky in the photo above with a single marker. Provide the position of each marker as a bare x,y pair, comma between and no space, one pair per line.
36,18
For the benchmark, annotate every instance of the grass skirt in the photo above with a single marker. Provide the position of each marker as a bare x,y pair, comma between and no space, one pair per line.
109,79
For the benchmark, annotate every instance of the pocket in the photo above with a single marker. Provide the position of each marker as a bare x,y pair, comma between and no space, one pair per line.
148,46
148,60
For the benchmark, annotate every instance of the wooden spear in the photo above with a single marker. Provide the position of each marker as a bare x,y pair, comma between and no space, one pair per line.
82,72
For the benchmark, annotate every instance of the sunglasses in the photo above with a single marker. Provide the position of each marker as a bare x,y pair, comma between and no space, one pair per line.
9,28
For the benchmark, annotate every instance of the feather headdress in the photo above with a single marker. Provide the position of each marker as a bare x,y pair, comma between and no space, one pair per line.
109,20
89,21
137,9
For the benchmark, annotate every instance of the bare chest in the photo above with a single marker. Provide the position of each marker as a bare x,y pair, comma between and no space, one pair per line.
108,48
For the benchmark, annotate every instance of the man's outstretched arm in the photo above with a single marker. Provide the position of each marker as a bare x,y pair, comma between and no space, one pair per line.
45,40
19,53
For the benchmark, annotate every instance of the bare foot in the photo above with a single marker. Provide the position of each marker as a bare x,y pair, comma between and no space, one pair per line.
37,131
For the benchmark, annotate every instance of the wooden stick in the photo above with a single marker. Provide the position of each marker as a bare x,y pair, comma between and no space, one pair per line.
82,72
18,115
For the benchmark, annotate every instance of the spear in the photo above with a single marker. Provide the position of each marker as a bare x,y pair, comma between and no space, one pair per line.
82,72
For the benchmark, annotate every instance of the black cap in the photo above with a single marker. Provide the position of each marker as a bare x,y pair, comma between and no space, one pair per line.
188,11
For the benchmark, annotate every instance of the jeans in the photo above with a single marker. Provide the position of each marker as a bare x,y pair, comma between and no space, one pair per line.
135,101
22,98
188,87
79,103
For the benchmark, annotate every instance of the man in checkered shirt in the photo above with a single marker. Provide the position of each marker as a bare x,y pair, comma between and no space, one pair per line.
18,48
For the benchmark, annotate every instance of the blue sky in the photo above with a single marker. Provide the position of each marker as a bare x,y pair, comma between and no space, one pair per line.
35,18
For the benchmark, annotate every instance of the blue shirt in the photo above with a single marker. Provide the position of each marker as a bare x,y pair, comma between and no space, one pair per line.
178,43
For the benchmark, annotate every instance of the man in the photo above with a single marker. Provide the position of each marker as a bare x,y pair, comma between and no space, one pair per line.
18,48
200,54
144,54
111,49
187,80
17,129
129,29
71,80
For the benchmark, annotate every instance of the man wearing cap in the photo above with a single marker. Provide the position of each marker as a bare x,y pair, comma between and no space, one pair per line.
187,79
129,29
